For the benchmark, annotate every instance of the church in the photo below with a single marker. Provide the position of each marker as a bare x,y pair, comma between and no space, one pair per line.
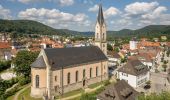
60,70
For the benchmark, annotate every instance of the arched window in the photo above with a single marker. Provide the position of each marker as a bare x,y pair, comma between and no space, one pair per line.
37,81
97,35
77,76
55,78
96,71
103,45
68,78
103,36
90,72
84,73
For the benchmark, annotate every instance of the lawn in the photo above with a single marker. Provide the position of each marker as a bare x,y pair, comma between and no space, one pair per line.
89,96
92,86
71,93
26,95
11,97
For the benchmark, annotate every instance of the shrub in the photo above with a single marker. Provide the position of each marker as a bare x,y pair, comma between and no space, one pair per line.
24,80
5,65
107,82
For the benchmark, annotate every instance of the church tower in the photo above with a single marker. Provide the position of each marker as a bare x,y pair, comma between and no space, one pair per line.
100,31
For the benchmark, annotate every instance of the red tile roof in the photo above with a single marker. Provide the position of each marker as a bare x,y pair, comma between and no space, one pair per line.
4,45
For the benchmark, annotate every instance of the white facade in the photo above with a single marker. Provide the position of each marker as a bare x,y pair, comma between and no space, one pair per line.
113,61
133,45
134,81
100,32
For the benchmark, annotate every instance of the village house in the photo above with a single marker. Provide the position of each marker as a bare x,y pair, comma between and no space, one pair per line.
155,53
49,43
119,91
134,73
5,51
145,58
60,70
114,58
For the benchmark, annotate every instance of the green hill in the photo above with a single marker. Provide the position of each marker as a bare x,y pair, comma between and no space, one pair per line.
31,27
148,31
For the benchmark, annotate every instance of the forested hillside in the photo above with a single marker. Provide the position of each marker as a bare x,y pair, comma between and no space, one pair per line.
33,27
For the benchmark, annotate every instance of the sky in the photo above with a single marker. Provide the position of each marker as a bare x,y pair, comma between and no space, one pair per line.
80,15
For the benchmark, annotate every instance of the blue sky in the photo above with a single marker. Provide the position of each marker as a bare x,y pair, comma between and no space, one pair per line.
81,15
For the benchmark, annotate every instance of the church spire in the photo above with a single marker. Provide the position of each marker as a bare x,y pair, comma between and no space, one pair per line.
100,17
100,31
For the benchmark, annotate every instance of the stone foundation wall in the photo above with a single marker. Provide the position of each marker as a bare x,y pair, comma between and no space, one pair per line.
79,85
37,92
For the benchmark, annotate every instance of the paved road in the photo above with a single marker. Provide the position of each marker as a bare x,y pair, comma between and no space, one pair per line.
159,82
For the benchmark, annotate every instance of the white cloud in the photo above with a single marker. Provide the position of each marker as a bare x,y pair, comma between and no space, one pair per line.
112,11
94,8
140,14
66,2
60,2
140,7
155,14
54,17
29,1
5,13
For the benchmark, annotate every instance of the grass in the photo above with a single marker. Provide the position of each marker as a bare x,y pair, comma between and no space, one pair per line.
92,86
71,93
11,97
89,96
26,95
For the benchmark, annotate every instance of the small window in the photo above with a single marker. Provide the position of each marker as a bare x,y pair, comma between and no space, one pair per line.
55,78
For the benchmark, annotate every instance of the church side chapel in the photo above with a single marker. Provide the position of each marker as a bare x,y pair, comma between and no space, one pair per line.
60,70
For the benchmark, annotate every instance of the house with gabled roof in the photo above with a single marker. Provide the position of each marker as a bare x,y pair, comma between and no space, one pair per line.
119,91
134,72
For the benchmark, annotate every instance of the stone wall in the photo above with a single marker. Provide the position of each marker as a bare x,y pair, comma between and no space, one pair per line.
79,85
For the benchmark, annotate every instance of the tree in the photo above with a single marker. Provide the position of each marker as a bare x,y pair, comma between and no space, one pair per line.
22,62
109,47
153,96
164,67
116,49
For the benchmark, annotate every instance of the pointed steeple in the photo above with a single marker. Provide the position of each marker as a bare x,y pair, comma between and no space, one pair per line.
100,17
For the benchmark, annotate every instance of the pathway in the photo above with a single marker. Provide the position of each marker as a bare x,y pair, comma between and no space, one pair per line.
22,90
